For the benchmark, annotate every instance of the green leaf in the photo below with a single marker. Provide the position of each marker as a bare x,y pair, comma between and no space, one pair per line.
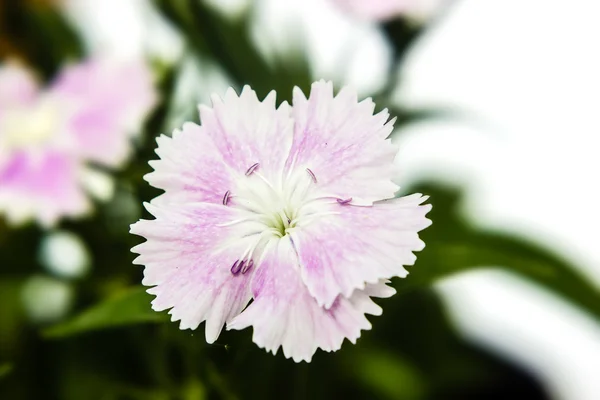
390,376
193,389
401,34
127,308
453,245
228,43
5,369
80,382
38,33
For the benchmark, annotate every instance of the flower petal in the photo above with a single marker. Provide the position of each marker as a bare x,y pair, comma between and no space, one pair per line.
18,91
283,314
343,144
44,186
190,169
359,245
109,100
247,131
17,86
188,257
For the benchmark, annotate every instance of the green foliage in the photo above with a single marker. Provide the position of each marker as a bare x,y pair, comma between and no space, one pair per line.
387,375
454,246
5,369
228,43
129,307
37,34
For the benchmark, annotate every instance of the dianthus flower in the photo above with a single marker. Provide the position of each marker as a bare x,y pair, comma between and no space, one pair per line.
290,208
49,137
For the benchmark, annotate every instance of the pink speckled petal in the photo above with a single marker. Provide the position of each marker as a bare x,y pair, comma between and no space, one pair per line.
44,186
188,257
283,314
299,196
108,101
358,245
247,131
343,144
190,168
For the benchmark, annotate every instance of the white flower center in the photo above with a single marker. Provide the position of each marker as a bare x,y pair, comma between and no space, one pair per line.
275,209
28,127
279,206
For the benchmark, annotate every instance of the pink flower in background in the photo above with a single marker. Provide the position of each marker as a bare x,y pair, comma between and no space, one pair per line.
48,135
382,10
291,208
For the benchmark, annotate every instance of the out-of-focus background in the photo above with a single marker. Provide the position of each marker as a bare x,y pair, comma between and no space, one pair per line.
497,105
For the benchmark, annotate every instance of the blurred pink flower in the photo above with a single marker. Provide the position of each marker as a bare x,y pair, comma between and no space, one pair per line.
48,135
382,10
292,208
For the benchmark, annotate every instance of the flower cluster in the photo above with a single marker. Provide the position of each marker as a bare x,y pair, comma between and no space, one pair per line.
291,208
49,137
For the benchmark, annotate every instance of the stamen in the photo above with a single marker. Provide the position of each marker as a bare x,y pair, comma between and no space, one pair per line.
258,196
267,182
251,169
226,198
241,265
248,266
343,202
305,218
237,221
236,267
312,175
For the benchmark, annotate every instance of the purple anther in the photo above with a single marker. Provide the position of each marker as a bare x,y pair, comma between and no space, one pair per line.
252,169
242,263
226,198
248,266
236,267
312,175
342,202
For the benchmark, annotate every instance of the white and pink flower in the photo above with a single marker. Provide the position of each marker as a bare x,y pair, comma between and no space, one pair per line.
291,208
48,136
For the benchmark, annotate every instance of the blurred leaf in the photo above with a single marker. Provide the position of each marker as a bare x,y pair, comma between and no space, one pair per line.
81,383
196,79
5,369
193,390
416,332
405,116
228,42
401,33
36,32
12,317
219,383
130,307
454,245
387,374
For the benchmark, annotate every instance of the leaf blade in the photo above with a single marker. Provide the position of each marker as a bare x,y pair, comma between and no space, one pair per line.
126,308
455,246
